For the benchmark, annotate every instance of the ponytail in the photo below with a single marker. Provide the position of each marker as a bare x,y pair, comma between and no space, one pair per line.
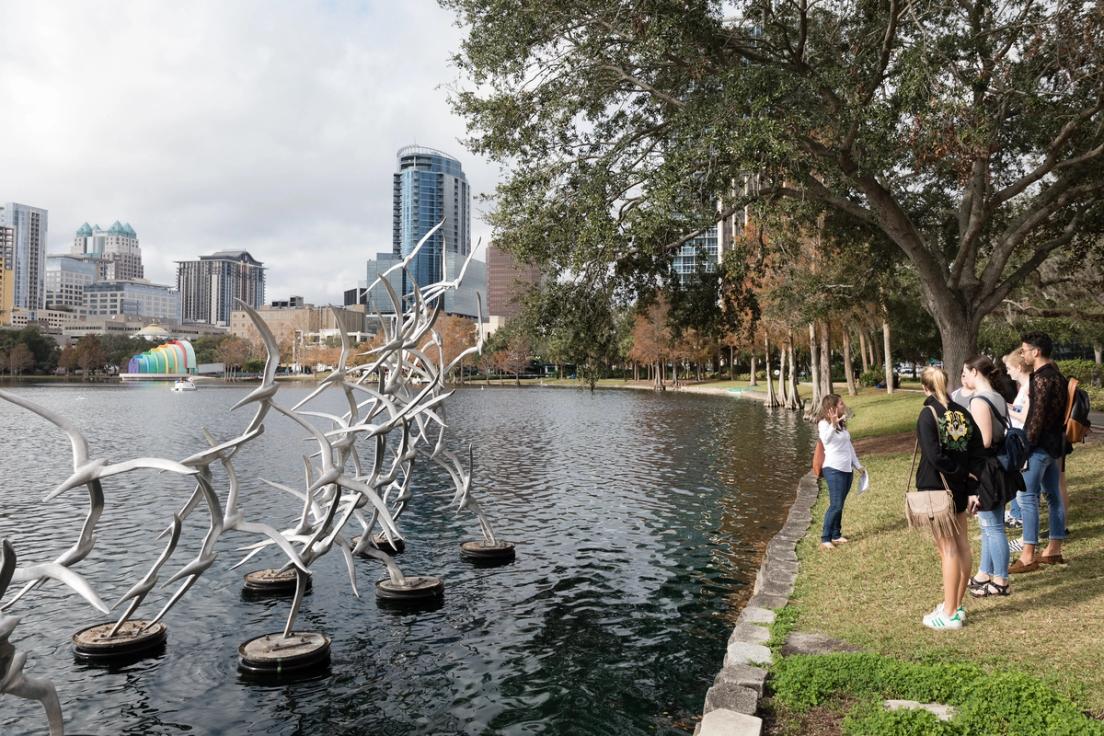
935,380
997,377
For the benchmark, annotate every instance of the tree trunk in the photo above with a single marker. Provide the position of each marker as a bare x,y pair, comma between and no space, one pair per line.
889,357
767,364
825,361
795,396
732,363
782,376
862,351
814,366
848,370
870,345
1098,353
753,381
958,332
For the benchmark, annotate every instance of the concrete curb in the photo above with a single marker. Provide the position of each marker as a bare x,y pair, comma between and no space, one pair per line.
731,704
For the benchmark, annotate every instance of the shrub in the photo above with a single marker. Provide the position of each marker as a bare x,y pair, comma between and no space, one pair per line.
871,378
1085,371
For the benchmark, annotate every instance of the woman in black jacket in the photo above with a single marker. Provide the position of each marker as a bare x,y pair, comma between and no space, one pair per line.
946,434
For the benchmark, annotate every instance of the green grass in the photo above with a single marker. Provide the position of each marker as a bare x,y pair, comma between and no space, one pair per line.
878,413
873,591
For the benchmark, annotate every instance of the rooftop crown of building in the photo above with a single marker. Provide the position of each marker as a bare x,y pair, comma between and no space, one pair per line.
117,228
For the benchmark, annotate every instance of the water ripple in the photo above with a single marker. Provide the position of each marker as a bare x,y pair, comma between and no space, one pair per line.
638,520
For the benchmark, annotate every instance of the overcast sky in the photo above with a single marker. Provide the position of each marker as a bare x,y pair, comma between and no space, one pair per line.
214,124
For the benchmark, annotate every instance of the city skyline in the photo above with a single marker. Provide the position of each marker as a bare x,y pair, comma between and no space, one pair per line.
199,160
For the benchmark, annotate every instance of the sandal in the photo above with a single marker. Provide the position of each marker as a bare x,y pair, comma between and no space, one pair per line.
976,584
990,588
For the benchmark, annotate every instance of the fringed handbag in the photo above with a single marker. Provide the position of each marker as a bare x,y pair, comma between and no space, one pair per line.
933,510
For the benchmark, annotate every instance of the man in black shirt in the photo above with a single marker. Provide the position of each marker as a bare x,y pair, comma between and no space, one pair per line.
1046,439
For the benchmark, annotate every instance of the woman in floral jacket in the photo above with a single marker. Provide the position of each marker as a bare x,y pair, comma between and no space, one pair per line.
946,435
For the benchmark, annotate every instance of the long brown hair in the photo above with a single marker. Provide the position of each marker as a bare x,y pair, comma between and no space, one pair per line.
1001,382
935,380
829,402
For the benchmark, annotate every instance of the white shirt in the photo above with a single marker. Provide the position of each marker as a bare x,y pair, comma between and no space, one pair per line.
839,453
1019,404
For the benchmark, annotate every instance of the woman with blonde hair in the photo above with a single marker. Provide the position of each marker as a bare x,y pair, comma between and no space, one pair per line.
840,462
945,433
1020,373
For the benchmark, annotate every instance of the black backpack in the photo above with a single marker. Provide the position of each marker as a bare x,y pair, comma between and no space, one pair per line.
1012,451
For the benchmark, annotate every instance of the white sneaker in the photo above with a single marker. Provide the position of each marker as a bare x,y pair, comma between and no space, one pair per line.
939,620
961,612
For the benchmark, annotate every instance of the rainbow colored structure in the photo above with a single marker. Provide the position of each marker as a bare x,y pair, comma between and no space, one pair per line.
174,358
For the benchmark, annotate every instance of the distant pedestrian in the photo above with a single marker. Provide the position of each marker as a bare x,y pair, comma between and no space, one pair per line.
1045,426
992,486
840,462
946,438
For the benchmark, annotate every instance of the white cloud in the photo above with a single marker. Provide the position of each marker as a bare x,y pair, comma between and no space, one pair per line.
221,124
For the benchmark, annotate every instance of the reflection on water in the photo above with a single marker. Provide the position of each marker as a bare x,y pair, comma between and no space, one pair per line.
638,519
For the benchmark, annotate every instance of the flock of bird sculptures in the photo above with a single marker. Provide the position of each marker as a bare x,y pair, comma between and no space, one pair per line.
398,393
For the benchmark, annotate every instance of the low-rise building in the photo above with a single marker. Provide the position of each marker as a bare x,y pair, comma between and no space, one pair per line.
54,319
301,325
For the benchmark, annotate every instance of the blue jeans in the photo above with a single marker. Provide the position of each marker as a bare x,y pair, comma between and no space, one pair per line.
839,485
994,545
1014,510
1041,479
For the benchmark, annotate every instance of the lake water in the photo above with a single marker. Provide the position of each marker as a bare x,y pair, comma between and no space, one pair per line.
639,520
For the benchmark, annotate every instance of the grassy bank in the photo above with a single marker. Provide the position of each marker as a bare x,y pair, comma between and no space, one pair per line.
1024,664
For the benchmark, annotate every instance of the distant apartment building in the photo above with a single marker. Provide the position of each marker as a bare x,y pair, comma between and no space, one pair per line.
702,253
430,186
115,250
66,278
296,324
28,250
133,299
508,281
7,275
209,285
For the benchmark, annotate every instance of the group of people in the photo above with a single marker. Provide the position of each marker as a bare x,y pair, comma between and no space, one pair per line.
966,451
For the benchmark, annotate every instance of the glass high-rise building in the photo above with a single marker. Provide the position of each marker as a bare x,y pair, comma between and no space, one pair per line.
700,253
430,186
28,261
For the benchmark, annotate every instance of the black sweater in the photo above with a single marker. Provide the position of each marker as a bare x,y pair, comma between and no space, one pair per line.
936,459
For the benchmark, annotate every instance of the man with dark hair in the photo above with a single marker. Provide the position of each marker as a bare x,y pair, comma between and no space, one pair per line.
1046,439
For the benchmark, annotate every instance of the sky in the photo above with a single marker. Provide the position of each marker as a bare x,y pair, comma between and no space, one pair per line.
229,124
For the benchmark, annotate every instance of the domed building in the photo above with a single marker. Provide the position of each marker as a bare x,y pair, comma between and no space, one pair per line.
154,333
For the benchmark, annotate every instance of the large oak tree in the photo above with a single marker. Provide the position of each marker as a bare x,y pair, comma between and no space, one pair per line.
969,132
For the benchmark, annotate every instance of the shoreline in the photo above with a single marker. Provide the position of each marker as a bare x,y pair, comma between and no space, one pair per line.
732,702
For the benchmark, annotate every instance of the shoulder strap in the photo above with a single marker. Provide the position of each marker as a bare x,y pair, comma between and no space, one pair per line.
1071,391
997,414
912,468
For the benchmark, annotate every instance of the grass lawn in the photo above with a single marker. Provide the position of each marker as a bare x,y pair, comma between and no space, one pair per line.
873,591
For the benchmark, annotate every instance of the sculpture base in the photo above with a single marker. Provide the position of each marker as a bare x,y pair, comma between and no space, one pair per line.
132,641
487,554
271,656
418,590
379,541
271,582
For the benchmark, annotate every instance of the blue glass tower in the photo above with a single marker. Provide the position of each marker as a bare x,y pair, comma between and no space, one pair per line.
431,186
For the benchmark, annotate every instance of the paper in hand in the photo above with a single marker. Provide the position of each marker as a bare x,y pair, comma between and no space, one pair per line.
864,482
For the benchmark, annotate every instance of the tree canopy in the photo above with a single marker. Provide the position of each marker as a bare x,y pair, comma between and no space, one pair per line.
967,134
